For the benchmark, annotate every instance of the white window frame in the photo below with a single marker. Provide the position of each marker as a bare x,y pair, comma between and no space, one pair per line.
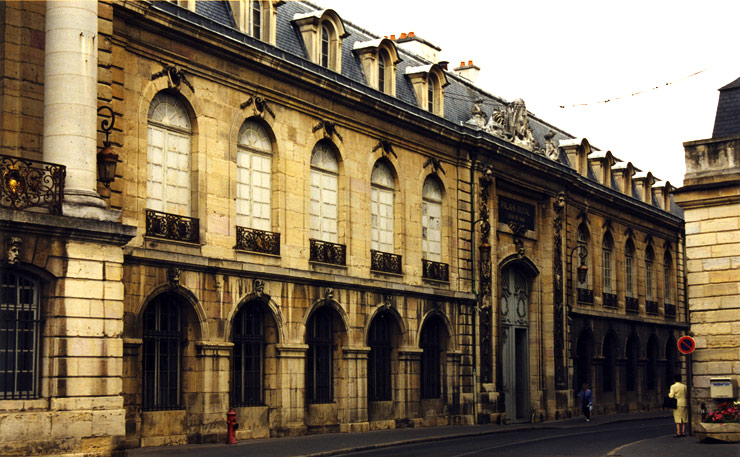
382,208
324,208
431,221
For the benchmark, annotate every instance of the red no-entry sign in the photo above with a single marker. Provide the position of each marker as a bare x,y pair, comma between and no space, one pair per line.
686,345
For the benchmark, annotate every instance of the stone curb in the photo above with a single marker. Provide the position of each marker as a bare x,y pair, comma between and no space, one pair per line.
371,447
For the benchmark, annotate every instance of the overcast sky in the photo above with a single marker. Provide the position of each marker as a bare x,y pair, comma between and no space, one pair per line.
565,53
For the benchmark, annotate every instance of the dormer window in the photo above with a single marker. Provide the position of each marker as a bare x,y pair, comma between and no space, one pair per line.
322,32
429,82
379,59
256,19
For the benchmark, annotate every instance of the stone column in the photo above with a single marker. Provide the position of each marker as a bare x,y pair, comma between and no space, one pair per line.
292,371
70,102
409,360
355,411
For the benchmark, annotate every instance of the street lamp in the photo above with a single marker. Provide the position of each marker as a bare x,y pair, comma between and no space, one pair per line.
107,159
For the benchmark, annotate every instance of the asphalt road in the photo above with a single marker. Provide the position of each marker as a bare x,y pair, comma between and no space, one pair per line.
571,442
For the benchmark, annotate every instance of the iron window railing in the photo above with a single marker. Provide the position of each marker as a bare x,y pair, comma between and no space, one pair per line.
19,336
610,300
586,296
255,240
31,183
327,252
385,262
436,271
632,304
172,226
651,307
670,310
248,356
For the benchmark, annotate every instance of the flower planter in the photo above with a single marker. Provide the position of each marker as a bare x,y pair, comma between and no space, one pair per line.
728,432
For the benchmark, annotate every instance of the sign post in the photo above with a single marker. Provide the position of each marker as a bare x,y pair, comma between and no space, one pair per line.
687,345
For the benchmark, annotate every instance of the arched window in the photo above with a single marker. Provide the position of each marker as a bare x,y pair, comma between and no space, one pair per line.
325,46
672,363
19,335
609,363
381,207
607,263
381,71
633,353
584,358
256,19
667,263
431,219
431,89
324,183
379,358
248,356
254,171
651,373
168,156
162,358
629,269
583,238
649,280
319,366
431,370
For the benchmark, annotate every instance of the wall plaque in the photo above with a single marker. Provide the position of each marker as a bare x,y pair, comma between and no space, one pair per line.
512,211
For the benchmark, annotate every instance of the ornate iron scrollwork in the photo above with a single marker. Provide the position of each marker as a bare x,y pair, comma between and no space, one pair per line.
435,271
254,240
651,307
326,252
172,226
670,310
31,183
632,304
586,296
610,300
385,262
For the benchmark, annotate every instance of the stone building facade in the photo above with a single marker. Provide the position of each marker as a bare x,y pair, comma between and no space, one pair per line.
323,229
710,198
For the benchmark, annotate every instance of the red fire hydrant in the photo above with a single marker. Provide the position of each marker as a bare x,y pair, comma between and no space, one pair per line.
231,423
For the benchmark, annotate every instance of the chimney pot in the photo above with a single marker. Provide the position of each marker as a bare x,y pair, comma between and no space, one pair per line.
393,37
386,36
412,34
470,63
403,35
462,63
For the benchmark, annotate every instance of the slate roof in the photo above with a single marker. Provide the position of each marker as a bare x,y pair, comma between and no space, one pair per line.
460,94
727,120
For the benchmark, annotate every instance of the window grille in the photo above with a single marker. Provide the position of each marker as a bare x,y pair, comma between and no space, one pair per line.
319,364
162,358
631,368
430,359
19,336
379,359
248,356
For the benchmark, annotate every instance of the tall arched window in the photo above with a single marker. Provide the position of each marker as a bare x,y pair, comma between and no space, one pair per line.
256,19
651,373
168,156
431,89
248,356
379,358
608,367
254,172
19,335
431,370
381,71
607,264
667,263
162,353
325,46
381,207
629,269
324,183
633,354
319,366
649,278
583,238
431,219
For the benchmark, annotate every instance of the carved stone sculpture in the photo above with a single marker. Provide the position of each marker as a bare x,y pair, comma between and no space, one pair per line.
510,123
478,119
551,148
13,249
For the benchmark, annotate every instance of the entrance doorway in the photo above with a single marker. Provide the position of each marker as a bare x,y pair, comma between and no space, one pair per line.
514,367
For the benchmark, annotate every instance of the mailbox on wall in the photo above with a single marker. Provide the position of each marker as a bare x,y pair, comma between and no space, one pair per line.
721,387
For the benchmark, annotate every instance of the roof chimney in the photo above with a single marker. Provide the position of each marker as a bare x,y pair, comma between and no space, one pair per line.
422,48
468,71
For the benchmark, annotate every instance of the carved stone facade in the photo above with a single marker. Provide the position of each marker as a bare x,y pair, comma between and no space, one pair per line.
231,261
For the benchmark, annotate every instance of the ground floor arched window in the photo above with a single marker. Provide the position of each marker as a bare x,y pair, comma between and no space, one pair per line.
319,366
163,339
379,358
609,364
248,356
431,370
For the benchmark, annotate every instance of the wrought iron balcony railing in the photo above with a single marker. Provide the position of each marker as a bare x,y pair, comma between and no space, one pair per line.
610,300
385,262
326,252
632,304
585,296
254,240
435,271
651,307
31,183
172,226
670,310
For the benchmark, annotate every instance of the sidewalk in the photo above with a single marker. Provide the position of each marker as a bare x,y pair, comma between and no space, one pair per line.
328,444
676,447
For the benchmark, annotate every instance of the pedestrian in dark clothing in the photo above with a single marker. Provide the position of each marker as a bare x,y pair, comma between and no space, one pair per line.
586,400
